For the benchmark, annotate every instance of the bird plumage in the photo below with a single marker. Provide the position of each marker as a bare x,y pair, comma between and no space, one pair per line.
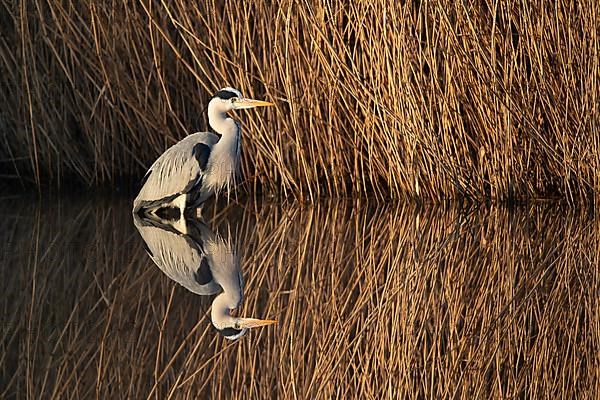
178,255
178,171
200,165
189,253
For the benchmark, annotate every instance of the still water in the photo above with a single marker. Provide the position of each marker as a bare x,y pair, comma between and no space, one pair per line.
371,301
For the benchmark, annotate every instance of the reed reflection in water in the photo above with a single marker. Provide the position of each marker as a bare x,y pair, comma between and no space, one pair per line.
371,302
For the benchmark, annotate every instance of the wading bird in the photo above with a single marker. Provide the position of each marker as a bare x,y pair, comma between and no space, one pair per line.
202,262
201,164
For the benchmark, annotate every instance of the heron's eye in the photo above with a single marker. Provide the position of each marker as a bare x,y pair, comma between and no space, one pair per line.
237,325
233,99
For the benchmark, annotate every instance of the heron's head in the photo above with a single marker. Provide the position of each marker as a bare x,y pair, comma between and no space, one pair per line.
228,99
234,328
228,325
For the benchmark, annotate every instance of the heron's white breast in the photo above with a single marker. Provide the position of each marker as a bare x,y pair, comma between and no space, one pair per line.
223,164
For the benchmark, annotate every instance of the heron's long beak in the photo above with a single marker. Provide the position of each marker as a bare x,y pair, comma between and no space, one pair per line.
255,323
250,103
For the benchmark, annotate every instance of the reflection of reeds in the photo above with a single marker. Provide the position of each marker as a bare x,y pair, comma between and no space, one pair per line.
372,303
392,98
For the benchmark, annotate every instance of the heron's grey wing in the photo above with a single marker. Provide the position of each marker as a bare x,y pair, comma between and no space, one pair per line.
178,170
178,257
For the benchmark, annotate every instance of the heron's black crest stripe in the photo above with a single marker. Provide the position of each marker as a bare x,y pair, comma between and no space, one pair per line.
202,153
148,250
203,274
225,94
229,331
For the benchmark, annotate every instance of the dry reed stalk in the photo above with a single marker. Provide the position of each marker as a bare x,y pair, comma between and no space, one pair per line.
422,99
372,302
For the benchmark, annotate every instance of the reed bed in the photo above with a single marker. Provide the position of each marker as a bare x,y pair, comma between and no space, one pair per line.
394,302
417,99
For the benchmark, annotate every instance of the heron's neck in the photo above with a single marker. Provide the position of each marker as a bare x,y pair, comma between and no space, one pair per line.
219,313
229,144
225,154
220,122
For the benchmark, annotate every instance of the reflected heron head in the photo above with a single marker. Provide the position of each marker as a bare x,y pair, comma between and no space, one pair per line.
228,325
237,327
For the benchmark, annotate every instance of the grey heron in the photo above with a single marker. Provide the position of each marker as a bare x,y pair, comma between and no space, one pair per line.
201,164
202,262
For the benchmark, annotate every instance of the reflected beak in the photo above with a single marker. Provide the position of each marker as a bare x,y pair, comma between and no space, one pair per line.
250,103
255,323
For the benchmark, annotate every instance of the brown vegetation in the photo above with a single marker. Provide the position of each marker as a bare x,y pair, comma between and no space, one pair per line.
391,302
395,99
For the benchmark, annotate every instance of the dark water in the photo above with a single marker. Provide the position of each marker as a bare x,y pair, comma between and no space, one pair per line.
372,301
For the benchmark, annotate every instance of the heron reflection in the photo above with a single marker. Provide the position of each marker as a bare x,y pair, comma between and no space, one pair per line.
203,262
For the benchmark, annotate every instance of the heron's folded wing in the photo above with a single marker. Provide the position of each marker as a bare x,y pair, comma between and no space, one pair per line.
178,170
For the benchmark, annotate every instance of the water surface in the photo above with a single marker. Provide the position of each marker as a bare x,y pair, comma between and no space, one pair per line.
372,301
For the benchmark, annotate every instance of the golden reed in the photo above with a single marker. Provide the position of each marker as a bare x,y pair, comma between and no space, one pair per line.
427,99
